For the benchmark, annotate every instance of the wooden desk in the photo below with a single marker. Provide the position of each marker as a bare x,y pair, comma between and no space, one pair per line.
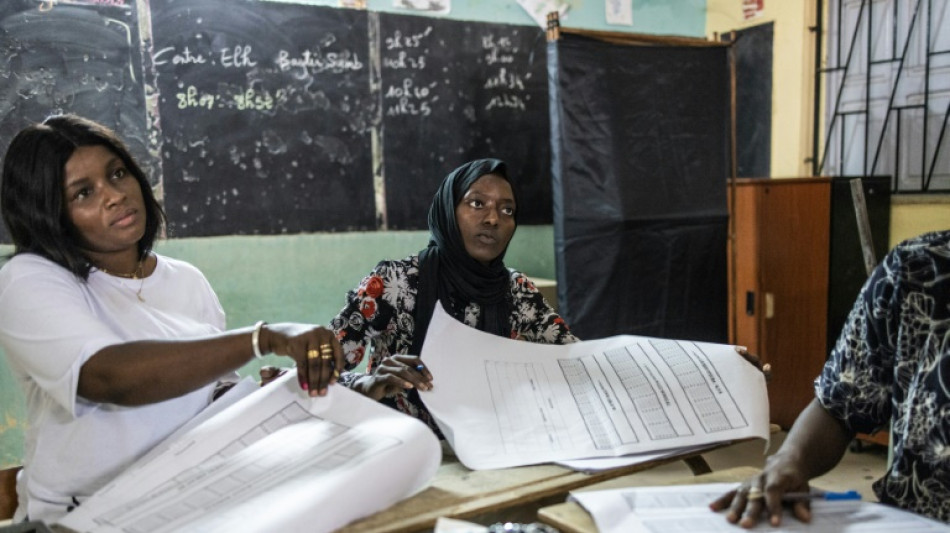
489,496
570,517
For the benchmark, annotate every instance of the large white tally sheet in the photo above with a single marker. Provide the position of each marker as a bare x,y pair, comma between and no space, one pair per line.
274,460
504,403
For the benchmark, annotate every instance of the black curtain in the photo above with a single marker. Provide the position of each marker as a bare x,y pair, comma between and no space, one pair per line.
640,155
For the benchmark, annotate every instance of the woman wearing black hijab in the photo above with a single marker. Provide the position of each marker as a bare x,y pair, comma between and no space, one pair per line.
471,221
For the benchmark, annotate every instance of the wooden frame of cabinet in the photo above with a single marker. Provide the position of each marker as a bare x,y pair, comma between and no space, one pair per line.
778,286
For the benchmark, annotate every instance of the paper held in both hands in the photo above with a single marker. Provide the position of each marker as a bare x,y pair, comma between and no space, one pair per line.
504,403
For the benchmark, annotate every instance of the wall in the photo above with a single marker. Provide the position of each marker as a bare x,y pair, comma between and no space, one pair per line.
792,60
915,214
792,104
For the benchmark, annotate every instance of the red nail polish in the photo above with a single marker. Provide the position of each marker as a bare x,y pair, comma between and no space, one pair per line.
304,386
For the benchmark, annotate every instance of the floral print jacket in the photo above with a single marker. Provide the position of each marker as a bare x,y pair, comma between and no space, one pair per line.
891,368
378,316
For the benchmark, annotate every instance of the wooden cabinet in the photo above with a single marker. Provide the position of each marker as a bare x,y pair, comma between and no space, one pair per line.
778,286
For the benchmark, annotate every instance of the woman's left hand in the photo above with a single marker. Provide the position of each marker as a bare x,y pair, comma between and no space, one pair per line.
315,349
755,361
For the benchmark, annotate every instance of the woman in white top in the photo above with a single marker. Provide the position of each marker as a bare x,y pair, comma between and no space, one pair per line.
114,346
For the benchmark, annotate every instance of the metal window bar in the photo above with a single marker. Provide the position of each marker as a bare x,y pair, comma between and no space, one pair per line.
902,126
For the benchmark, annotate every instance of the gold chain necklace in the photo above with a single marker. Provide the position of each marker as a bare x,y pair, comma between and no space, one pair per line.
136,274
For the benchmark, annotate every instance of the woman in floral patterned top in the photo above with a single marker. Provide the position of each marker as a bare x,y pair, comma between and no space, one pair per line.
890,367
471,221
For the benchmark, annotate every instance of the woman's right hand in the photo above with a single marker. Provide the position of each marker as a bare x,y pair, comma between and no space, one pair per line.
766,492
395,373
316,351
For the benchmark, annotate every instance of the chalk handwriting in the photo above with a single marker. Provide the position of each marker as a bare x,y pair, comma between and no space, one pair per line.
317,61
506,101
186,57
405,107
505,79
239,56
410,98
500,50
398,40
191,98
408,90
242,100
404,61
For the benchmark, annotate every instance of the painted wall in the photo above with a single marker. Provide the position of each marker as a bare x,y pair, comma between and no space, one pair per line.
913,215
792,104
792,63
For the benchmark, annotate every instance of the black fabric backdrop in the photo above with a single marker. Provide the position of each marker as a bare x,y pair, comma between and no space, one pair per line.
640,144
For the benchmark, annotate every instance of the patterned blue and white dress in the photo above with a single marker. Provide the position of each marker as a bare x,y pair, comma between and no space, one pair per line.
891,364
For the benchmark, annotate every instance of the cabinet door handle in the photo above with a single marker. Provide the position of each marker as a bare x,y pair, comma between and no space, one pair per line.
769,305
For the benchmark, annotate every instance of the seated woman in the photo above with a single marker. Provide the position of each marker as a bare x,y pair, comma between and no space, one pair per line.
889,368
114,345
471,220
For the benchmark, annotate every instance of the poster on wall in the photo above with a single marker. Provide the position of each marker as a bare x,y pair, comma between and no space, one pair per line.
619,12
441,7
752,8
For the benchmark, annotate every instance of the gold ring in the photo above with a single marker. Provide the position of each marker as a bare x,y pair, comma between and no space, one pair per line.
326,357
755,493
326,348
312,354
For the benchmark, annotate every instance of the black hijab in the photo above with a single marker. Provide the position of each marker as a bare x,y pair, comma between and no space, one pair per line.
447,273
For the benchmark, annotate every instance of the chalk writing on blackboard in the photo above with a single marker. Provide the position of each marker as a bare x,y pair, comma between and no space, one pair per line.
407,96
507,84
265,117
453,91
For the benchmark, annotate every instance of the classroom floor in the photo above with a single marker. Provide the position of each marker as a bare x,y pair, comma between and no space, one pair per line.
856,471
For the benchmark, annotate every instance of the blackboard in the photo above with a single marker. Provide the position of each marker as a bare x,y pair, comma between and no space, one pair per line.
266,117
82,58
754,101
453,91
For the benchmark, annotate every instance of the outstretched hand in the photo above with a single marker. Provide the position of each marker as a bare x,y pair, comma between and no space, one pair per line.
315,349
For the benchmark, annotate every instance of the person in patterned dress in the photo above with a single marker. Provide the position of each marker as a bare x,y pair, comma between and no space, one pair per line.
471,221
890,368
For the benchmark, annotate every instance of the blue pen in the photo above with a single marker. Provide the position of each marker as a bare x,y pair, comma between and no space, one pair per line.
821,495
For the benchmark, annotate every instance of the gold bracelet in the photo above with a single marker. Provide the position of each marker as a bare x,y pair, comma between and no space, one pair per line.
256,339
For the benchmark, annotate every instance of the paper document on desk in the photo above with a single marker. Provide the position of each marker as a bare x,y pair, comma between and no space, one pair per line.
276,460
686,508
504,403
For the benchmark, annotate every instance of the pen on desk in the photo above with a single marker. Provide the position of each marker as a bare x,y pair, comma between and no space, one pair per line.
821,495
